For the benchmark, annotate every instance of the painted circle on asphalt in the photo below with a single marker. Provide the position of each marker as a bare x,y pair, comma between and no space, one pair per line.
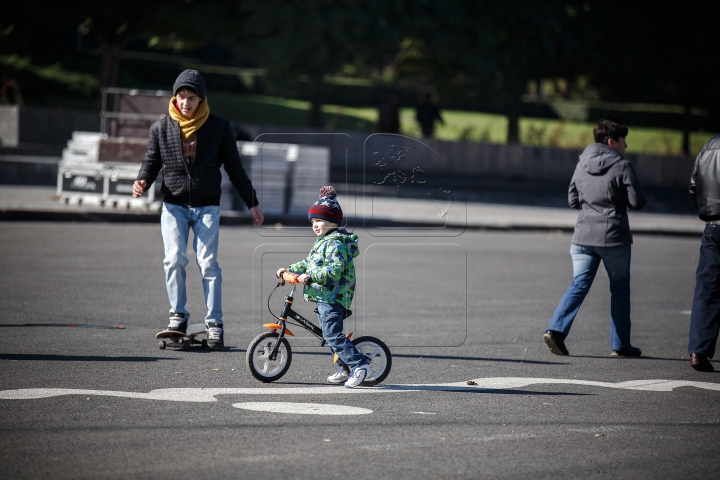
302,408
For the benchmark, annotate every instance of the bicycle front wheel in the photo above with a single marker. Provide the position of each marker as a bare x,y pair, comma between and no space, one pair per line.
378,356
258,357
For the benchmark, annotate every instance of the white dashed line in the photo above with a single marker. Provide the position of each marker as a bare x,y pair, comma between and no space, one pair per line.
302,408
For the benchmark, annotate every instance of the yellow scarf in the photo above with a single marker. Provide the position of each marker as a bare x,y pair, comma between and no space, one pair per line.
188,128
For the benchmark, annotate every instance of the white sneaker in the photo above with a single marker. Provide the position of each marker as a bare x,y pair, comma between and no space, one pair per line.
357,376
215,336
340,376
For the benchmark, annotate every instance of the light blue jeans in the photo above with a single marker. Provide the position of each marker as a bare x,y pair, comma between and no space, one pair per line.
586,261
176,222
331,322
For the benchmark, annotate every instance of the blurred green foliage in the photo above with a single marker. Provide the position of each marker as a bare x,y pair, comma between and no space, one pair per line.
459,125
81,82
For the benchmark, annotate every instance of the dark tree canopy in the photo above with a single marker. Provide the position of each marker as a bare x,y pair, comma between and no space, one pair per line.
631,51
310,39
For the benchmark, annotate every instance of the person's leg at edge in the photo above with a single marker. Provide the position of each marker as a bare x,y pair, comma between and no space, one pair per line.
330,317
705,314
175,228
207,229
585,265
617,265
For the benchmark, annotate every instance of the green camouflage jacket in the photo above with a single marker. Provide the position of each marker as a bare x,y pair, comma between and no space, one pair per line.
331,268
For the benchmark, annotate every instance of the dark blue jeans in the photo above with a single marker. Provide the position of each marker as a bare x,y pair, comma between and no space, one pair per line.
331,321
586,261
705,317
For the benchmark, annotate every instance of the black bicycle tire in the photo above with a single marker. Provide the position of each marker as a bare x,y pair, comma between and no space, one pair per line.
251,349
388,356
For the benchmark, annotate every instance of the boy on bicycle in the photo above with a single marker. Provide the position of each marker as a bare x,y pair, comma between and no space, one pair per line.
331,271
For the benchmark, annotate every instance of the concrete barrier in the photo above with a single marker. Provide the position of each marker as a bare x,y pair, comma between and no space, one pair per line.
490,161
461,160
27,125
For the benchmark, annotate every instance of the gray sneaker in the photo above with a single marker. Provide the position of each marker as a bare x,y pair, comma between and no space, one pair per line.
178,323
215,336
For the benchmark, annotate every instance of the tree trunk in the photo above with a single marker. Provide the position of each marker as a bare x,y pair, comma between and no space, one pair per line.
316,86
687,127
109,64
513,136
111,47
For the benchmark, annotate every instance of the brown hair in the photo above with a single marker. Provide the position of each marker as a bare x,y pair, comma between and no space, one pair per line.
609,127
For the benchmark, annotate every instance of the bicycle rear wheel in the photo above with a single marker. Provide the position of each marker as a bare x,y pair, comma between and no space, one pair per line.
378,356
258,359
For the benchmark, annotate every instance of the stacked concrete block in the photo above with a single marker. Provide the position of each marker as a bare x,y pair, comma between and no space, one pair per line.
85,179
309,172
83,147
288,177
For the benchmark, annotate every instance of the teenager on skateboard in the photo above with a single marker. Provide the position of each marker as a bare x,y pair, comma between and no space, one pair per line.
189,146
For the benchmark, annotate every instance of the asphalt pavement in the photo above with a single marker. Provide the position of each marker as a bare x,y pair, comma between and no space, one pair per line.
473,391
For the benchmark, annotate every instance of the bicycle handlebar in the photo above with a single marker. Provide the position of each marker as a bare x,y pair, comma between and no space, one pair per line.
291,277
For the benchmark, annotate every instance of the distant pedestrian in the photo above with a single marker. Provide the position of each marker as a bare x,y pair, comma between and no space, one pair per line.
189,146
389,116
603,187
427,114
705,316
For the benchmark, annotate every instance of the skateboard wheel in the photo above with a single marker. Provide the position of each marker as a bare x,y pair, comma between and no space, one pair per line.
186,346
204,343
162,345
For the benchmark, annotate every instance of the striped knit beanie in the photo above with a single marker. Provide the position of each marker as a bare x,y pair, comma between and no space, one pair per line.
327,208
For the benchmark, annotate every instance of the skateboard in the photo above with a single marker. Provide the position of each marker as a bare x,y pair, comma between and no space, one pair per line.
183,341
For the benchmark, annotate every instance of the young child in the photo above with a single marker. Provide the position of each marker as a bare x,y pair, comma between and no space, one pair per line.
330,268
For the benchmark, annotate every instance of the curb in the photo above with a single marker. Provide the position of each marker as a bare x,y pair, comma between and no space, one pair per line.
231,219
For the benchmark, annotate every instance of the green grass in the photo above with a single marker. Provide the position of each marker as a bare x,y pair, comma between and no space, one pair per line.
458,126
266,110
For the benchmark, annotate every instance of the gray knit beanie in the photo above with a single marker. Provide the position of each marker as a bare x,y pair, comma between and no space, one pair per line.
190,79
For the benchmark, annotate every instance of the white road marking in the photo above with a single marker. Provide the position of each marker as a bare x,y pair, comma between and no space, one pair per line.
302,408
492,383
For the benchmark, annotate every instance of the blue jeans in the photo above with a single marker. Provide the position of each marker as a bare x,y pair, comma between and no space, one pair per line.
705,316
331,321
176,222
586,261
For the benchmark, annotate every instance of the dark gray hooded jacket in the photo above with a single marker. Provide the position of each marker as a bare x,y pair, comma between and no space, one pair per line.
603,187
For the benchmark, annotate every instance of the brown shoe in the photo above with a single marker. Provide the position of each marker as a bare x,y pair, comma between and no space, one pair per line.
701,363
555,343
